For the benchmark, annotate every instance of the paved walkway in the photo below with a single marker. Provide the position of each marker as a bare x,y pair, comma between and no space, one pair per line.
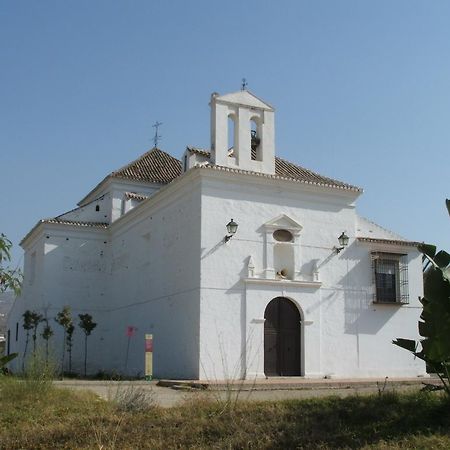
170,392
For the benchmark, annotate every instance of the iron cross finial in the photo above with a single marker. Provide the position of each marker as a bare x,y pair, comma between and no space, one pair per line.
156,137
244,84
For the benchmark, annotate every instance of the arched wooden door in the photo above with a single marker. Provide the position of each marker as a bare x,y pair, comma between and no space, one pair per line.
282,338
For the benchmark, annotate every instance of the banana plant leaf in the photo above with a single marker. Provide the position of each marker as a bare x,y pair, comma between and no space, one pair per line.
442,259
427,249
6,359
407,344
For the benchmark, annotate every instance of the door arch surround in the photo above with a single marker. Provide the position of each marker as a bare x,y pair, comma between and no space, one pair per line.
282,338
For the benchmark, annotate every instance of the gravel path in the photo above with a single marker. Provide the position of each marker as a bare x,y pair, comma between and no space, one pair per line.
168,397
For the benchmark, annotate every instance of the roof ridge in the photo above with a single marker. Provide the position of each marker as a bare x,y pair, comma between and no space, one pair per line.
154,166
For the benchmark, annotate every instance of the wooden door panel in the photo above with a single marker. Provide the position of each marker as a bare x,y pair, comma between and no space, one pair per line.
282,338
290,353
270,354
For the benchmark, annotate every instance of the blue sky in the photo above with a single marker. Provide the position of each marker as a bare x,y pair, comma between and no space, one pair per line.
361,91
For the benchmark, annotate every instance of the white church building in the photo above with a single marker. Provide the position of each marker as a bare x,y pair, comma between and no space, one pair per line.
239,263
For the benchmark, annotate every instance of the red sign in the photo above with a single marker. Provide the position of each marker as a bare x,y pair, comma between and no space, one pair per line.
149,344
131,331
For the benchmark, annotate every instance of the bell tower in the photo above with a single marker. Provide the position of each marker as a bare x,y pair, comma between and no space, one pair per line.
242,132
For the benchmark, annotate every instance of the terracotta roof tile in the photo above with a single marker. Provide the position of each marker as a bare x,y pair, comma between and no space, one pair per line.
287,170
58,221
155,166
199,151
135,196
76,223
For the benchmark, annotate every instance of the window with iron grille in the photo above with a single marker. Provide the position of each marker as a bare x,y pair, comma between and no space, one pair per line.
390,272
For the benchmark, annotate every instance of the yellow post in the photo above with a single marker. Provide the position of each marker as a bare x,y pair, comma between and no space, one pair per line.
148,357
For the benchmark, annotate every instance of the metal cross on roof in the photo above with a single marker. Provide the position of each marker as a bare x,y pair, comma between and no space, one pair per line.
156,137
244,84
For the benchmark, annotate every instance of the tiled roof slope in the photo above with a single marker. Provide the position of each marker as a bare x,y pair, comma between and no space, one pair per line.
155,166
286,169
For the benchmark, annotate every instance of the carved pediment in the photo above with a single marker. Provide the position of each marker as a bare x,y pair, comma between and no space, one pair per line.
244,98
283,222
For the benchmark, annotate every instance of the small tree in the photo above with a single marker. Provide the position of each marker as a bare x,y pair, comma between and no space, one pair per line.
64,318
69,343
35,319
46,335
27,326
87,325
9,278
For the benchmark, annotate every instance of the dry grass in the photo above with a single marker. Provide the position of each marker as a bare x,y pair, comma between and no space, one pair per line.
61,419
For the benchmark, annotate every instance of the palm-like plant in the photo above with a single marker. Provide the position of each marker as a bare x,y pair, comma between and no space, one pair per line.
434,324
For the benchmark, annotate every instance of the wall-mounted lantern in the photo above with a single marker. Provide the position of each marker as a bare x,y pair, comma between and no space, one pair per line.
343,242
232,227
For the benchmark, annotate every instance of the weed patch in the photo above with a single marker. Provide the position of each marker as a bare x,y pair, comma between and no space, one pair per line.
65,419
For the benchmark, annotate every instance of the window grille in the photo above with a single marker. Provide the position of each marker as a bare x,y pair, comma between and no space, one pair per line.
390,278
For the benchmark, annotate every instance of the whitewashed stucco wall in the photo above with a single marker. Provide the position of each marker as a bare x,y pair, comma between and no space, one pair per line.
71,269
155,283
344,334
164,269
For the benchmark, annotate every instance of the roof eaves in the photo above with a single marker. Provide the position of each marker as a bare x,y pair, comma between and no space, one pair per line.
327,182
343,187
56,221
396,242
76,223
